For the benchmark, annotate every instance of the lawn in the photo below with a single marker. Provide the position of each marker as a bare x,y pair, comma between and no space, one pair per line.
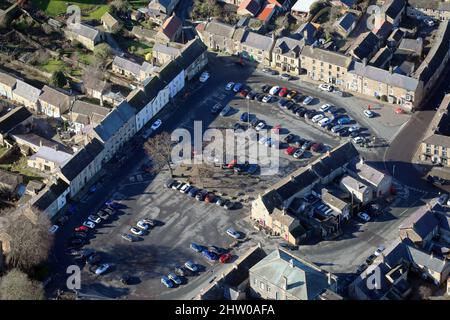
137,47
136,4
90,9
52,65
20,166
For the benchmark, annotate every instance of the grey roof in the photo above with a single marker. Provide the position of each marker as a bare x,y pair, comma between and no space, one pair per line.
169,71
138,99
55,98
115,120
110,20
287,44
220,29
50,195
422,220
13,118
382,57
444,6
365,44
384,76
333,201
35,140
152,87
26,91
7,80
84,30
392,8
327,56
191,52
414,45
88,109
346,21
305,281
166,49
256,40
352,183
366,172
431,262
334,159
81,160
50,154
127,65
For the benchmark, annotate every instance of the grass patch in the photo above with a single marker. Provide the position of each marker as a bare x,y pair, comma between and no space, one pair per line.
136,4
53,65
86,58
137,47
21,167
90,9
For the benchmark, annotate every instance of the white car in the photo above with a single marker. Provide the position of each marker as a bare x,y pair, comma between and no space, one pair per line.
233,233
274,90
191,266
358,140
267,98
262,140
89,224
156,124
229,86
298,154
324,122
325,107
429,22
379,250
369,114
308,100
364,216
261,125
95,219
204,76
53,229
354,128
326,87
317,118
141,224
102,269
137,231
185,188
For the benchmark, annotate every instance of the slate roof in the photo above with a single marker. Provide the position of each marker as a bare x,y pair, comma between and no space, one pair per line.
436,54
191,52
26,91
138,100
422,221
392,8
84,30
110,20
346,21
82,159
327,56
305,280
7,80
166,49
50,154
348,3
115,120
384,76
35,140
55,98
431,262
251,6
152,87
366,172
169,71
287,44
127,65
88,109
306,31
220,29
171,26
365,44
13,118
256,40
50,195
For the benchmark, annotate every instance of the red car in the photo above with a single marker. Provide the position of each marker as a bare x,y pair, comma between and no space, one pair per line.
210,197
283,92
232,164
399,111
81,229
243,93
290,150
316,147
225,257
277,128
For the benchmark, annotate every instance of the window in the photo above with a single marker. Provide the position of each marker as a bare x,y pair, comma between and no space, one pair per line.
338,69
261,285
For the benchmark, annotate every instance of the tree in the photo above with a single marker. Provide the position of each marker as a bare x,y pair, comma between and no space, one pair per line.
30,240
16,285
102,51
58,79
120,5
159,149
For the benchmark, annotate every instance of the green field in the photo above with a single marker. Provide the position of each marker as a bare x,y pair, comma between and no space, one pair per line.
52,65
90,9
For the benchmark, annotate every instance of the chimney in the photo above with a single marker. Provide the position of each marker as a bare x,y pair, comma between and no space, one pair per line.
329,279
291,263
285,283
364,62
361,160
391,69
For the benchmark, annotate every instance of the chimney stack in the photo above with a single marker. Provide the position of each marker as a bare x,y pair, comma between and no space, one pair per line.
291,263
285,282
329,279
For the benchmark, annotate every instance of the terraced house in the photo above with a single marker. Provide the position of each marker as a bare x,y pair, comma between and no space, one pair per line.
7,85
286,55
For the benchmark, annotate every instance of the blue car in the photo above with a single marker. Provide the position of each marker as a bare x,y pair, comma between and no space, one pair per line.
166,281
344,120
192,193
210,255
244,117
196,247
282,103
237,87
112,204
252,169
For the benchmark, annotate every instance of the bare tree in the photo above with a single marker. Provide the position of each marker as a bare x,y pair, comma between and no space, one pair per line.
30,240
16,285
159,149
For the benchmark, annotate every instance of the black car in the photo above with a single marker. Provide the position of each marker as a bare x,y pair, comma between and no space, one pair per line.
259,97
289,138
310,114
229,205
169,183
289,105
254,122
265,88
125,278
179,271
94,259
237,126
370,259
193,192
79,235
298,98
217,250
301,111
282,103
201,195
329,126
76,242
251,95
294,109
103,214
355,134
344,132
286,76
74,253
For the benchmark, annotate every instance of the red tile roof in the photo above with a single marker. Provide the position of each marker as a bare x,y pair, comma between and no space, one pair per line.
266,13
171,26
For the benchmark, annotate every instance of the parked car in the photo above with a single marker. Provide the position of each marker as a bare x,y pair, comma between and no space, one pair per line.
267,98
204,76
156,124
283,92
317,118
192,193
190,265
216,108
308,100
82,229
290,150
209,255
364,216
244,117
289,138
325,107
261,125
368,113
89,224
307,145
229,86
229,205
324,122
166,281
298,153
259,97
224,258
233,233
196,247
128,237
94,259
274,90
137,231
290,105
442,199
102,269
343,120
370,259
185,188
237,87
326,87
286,76
317,147
243,93
252,168
200,196
251,95
358,140
265,88
292,94
379,250
169,183
103,214
288,246
179,271
220,201
282,103
174,278
210,197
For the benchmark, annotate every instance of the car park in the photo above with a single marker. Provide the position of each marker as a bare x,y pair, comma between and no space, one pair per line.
229,86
